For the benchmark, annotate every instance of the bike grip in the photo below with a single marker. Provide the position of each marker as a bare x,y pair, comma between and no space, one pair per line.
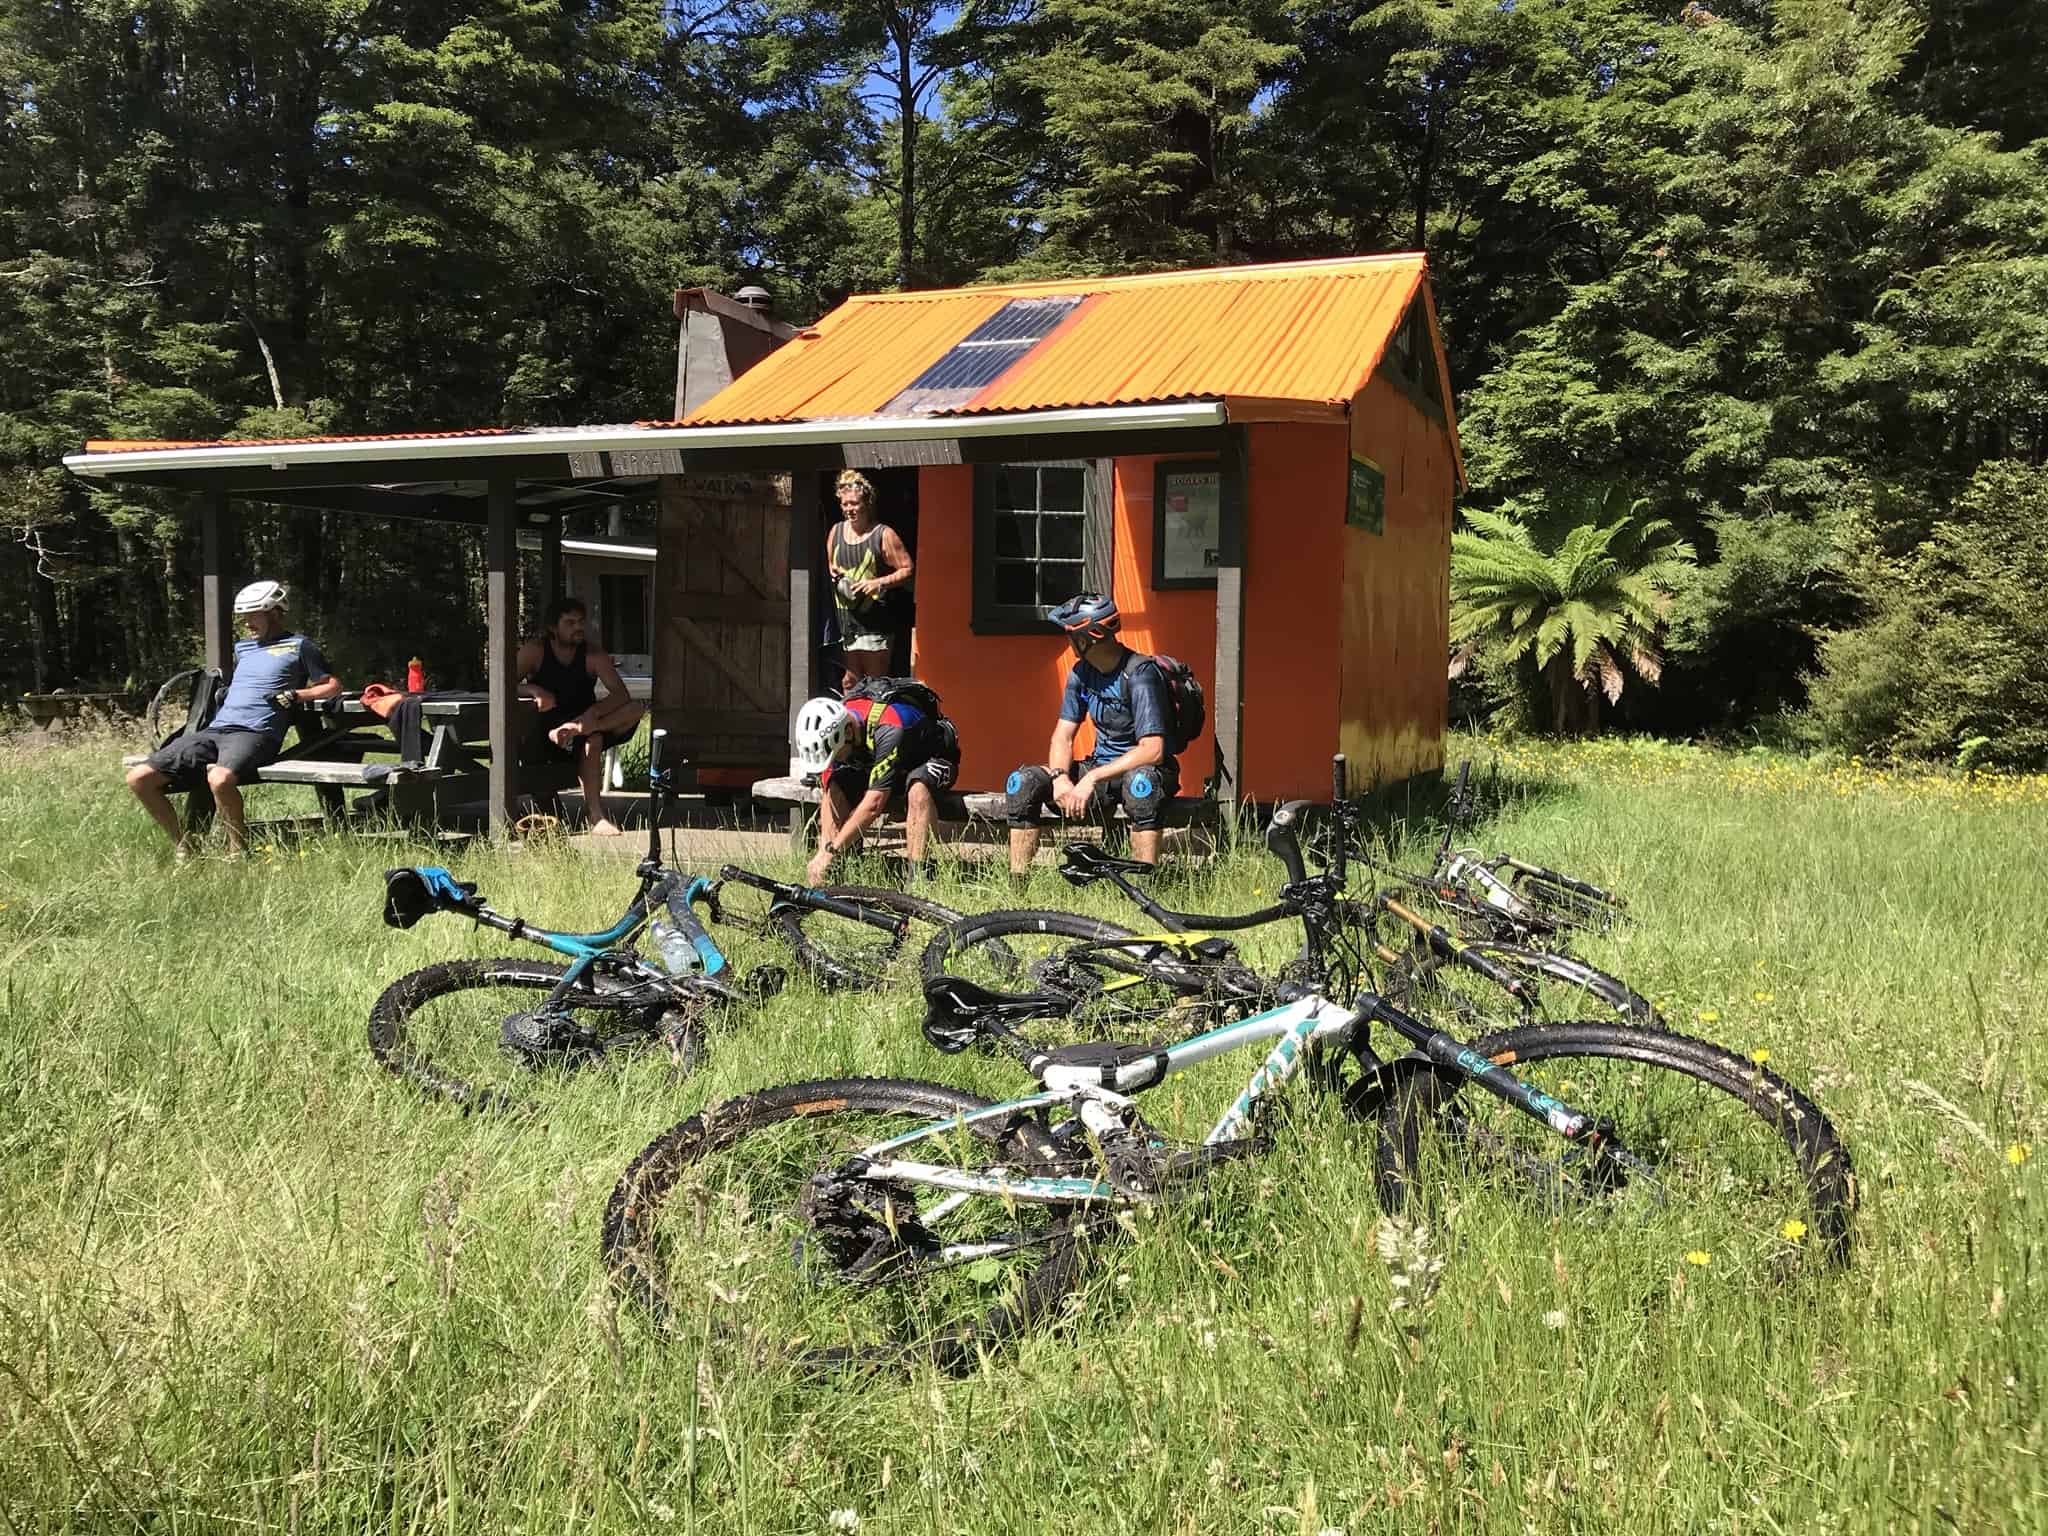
657,749
678,903
1282,842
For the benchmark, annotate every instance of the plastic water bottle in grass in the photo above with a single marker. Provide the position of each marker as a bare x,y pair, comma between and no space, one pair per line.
678,955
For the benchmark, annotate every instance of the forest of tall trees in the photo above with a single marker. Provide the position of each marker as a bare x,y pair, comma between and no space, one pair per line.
1769,280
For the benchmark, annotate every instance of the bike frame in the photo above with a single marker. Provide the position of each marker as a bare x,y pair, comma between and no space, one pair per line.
1291,1028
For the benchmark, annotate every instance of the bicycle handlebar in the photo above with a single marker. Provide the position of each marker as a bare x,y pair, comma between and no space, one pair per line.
1339,788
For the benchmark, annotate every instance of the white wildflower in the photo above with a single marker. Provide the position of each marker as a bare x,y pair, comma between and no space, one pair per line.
843,1520
1414,1269
1553,1319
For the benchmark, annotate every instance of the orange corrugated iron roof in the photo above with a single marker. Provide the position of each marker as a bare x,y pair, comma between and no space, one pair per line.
1307,332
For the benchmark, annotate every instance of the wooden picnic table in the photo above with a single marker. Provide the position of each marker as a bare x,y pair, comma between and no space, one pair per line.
333,754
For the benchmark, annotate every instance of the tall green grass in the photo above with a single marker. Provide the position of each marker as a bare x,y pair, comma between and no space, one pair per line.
249,1281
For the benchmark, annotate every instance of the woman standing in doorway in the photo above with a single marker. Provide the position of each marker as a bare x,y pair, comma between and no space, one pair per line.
866,560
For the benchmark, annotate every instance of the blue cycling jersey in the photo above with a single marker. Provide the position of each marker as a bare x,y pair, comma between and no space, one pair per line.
1126,704
262,670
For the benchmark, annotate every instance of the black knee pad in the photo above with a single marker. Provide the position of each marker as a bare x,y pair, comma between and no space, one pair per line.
1145,792
1028,790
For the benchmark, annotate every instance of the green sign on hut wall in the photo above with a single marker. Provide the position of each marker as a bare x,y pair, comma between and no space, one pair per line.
1366,506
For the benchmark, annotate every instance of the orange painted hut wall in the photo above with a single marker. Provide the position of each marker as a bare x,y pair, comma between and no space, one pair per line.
1003,691
1345,631
1395,628
1294,568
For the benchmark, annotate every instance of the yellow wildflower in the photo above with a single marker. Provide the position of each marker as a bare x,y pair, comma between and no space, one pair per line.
1707,1016
1760,1055
1764,997
1793,1230
2019,1152
1698,1256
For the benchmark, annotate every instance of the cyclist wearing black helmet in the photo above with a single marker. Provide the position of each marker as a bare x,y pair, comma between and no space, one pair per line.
1127,698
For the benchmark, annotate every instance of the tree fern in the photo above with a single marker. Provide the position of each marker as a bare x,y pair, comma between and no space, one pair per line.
1582,590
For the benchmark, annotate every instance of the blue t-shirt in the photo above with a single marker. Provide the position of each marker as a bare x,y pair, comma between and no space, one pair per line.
1126,705
262,669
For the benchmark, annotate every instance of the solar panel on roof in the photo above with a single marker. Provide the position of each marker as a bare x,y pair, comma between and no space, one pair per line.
982,356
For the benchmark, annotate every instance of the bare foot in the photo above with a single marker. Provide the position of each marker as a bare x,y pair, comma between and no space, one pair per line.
604,826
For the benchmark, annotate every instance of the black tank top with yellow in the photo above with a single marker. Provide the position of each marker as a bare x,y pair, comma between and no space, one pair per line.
857,560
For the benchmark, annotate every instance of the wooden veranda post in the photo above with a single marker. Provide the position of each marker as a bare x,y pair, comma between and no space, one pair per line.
501,597
216,589
550,562
803,548
1228,694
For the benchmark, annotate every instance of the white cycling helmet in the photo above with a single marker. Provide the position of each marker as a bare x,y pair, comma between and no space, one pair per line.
823,728
260,596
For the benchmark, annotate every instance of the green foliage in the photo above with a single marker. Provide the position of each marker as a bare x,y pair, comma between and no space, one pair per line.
1779,266
1948,663
1577,591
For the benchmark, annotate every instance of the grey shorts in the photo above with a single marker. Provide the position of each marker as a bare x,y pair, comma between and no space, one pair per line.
185,761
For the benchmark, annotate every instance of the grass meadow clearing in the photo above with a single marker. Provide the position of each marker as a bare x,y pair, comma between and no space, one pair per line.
248,1281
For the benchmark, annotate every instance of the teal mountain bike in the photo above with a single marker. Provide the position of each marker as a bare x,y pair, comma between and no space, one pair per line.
475,1031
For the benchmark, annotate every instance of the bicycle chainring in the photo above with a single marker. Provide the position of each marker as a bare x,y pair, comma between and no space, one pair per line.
547,1039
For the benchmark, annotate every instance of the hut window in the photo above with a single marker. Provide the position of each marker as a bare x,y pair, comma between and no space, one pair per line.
622,614
1041,534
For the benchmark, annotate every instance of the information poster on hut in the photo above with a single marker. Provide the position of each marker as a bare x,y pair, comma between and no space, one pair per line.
1366,506
1189,526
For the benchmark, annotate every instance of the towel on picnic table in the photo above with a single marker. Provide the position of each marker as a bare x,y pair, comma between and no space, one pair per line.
401,712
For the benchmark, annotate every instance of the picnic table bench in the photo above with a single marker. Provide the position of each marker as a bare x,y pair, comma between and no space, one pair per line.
333,742
979,806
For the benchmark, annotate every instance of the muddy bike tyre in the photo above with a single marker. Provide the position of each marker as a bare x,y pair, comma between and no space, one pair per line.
845,954
437,1027
706,1232
1111,988
1757,1169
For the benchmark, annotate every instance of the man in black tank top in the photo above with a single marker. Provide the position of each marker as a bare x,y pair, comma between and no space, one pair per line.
560,672
865,561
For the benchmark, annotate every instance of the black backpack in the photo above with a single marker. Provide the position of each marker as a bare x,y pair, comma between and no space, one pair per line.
905,690
1189,707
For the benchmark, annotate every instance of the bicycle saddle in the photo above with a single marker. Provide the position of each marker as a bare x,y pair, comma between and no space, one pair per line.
1085,861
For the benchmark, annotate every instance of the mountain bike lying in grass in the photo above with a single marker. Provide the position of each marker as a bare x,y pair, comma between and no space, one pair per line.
447,1028
1084,975
1499,898
860,1221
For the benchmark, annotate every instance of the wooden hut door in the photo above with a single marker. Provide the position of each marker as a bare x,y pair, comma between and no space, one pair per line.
721,603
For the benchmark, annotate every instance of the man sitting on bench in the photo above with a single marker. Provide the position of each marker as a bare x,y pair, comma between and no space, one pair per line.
1127,697
275,672
888,735
561,671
